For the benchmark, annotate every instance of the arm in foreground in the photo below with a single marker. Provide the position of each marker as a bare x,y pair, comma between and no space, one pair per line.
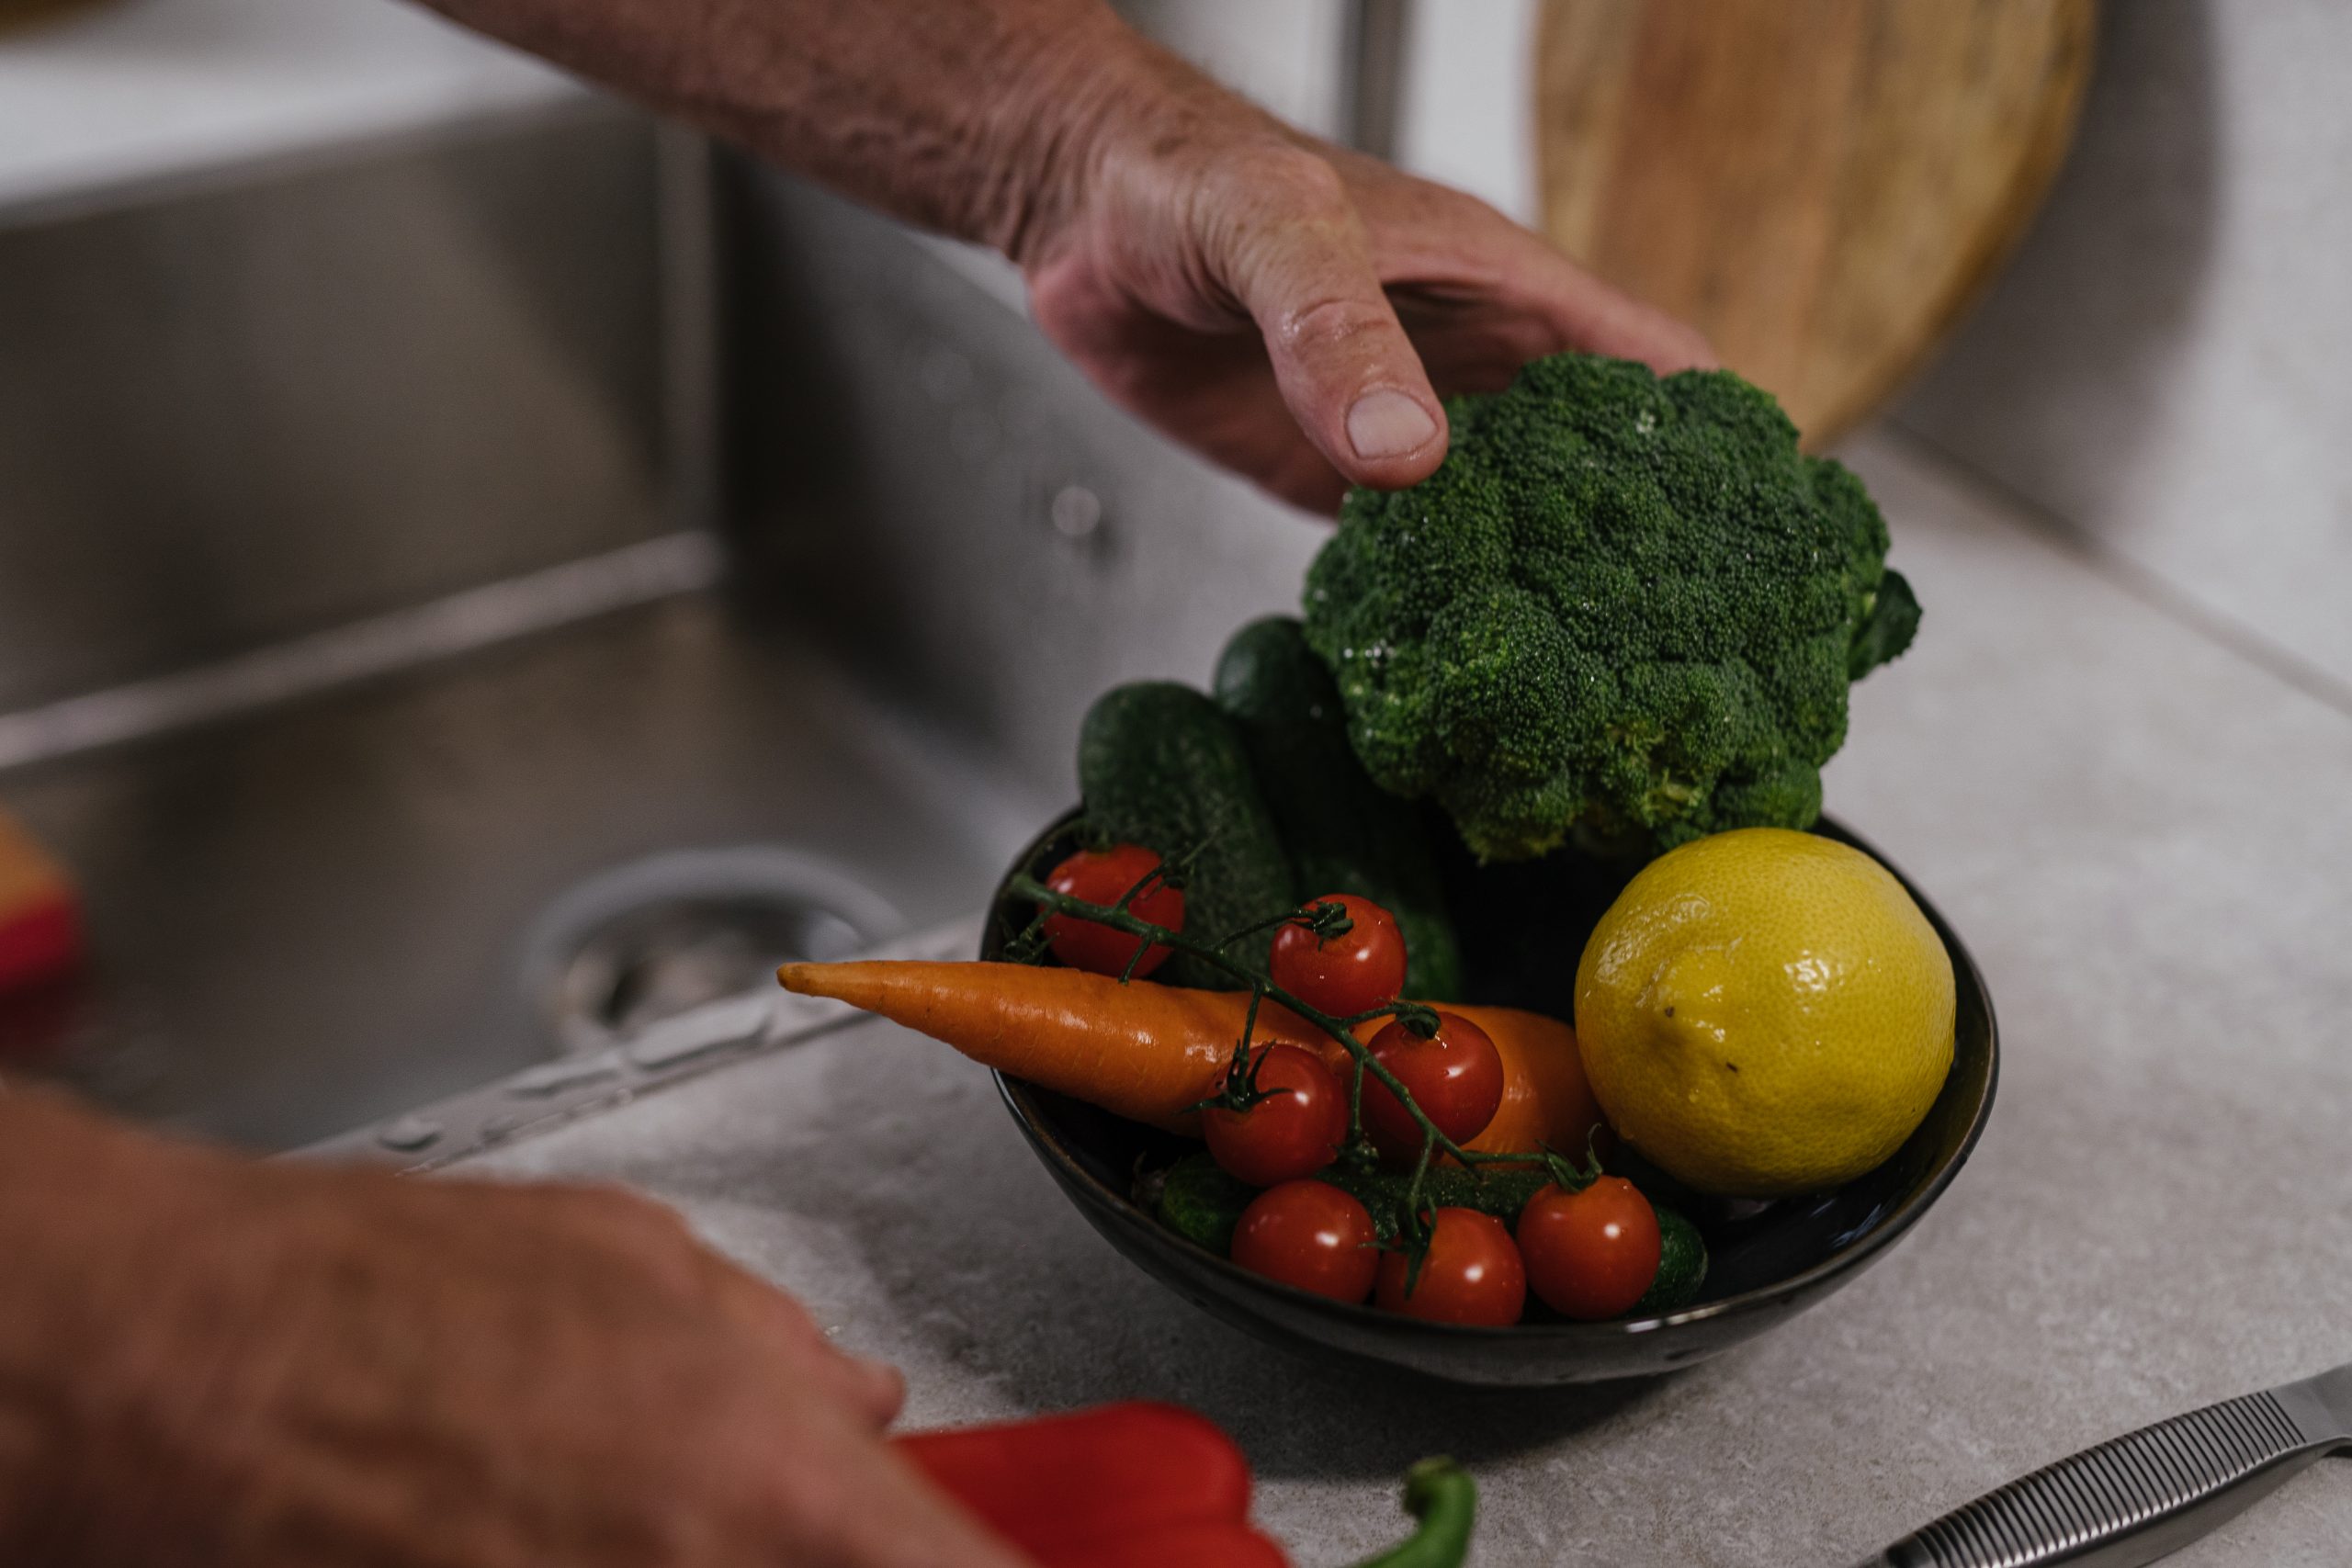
208,1360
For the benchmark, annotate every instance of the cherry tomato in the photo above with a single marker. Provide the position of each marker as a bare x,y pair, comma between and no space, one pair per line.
1311,1236
1455,1076
1471,1274
1352,973
1591,1255
1104,876
1294,1131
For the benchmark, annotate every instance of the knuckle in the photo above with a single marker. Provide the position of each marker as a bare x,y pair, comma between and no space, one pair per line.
1276,177
630,1221
643,1214
1333,323
614,1207
1306,177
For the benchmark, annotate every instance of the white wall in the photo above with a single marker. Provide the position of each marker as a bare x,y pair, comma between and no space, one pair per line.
2167,365
1284,56
1468,92
1469,96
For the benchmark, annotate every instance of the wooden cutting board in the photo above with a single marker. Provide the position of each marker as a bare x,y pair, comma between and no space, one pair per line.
1821,186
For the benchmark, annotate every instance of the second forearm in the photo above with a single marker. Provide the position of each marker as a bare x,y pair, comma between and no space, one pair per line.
963,115
83,1202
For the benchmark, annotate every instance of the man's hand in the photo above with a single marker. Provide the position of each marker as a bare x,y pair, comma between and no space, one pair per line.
206,1361
1292,310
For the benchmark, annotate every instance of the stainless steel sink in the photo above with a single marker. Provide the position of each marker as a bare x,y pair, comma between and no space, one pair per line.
937,545
307,919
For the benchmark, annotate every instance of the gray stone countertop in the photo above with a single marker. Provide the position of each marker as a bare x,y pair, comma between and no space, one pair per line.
2145,837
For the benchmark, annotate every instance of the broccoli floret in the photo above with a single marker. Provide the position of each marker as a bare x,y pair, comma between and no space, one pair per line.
1625,607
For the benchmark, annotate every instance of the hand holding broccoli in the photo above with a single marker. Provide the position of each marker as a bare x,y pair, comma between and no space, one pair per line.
1626,608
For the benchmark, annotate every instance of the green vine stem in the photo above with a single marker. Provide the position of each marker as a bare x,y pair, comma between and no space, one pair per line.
1422,1019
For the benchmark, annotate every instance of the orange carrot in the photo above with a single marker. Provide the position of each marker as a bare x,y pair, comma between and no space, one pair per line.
1150,1052
1545,1098
1144,1051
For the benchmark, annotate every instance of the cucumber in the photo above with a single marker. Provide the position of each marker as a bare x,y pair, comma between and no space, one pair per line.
1681,1266
1198,1201
1160,765
1502,1193
1201,1203
1344,833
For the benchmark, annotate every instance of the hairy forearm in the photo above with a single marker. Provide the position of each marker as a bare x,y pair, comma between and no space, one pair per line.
207,1361
1274,302
80,1198
966,116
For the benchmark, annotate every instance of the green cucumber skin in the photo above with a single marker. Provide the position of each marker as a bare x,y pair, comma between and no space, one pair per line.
1200,1203
1500,1192
1344,833
1160,765
1200,1200
1681,1266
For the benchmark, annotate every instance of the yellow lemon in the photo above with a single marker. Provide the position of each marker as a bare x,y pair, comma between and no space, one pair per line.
1765,1012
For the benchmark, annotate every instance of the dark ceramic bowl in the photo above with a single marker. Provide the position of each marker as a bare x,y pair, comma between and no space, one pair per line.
1766,1262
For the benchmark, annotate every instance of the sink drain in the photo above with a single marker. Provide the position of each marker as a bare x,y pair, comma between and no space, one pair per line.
655,939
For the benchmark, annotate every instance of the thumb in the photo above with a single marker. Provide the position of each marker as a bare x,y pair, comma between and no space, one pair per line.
1347,373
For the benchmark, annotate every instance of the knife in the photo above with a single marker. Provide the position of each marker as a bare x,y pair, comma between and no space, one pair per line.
2145,1495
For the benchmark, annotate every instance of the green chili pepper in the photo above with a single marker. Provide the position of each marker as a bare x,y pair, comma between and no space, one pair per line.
1441,1494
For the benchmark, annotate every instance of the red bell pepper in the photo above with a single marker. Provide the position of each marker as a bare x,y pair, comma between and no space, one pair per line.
41,917
1185,1546
1145,1485
1086,1487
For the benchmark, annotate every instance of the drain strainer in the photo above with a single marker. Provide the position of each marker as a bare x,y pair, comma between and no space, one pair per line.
658,937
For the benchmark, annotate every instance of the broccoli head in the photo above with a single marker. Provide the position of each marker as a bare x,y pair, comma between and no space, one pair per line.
1625,608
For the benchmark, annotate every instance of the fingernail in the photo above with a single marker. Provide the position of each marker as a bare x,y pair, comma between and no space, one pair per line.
1388,425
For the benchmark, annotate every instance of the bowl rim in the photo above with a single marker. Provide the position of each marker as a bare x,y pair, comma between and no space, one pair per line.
1018,1097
